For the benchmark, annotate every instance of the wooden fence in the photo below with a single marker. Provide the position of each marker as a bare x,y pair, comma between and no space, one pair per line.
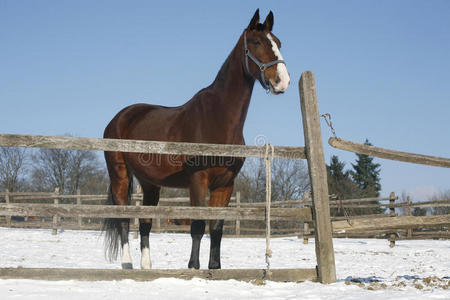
313,152
234,228
231,228
318,214
388,223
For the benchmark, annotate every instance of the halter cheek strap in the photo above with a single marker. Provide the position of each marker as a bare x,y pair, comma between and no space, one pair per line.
261,66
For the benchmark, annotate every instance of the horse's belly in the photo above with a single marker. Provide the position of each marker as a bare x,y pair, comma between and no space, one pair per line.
176,170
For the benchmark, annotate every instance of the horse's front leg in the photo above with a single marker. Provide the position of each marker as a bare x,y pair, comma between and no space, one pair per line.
197,194
220,197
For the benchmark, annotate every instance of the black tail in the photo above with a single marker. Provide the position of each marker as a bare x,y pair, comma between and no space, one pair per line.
112,227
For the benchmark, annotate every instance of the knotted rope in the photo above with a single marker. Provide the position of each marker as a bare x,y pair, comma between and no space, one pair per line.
268,159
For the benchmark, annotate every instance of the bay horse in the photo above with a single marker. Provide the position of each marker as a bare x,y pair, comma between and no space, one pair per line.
216,114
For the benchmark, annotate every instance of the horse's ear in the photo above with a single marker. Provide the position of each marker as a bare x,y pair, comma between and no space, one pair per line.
255,20
268,23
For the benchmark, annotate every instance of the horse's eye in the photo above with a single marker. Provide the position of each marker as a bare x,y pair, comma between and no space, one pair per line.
256,42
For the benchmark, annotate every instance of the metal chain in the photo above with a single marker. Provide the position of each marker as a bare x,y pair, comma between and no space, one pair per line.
327,118
346,212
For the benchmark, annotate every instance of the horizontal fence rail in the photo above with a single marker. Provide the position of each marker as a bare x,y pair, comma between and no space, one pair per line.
249,275
172,212
379,225
138,146
389,154
390,223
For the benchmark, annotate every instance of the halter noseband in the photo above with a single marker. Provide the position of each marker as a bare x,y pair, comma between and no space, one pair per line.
261,66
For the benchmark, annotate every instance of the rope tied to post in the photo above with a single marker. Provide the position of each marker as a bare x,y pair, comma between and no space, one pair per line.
268,159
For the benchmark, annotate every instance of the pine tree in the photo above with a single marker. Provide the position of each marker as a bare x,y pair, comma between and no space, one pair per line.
340,183
366,174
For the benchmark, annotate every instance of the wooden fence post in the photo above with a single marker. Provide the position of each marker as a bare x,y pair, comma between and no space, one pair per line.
318,176
238,205
305,233
136,220
158,225
409,214
55,217
79,203
392,236
8,218
306,225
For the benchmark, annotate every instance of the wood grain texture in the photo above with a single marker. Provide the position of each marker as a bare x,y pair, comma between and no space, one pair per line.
318,177
389,154
249,275
170,212
78,143
393,223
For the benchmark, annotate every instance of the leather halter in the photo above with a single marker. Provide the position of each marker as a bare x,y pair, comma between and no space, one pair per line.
261,66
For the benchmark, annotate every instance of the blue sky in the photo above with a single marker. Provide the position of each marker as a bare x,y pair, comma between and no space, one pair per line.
382,70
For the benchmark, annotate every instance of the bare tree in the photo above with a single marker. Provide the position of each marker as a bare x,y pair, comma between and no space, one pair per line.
290,179
66,169
419,211
12,168
251,181
403,211
441,210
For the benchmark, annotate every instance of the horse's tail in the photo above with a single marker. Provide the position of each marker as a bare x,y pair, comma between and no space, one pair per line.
112,226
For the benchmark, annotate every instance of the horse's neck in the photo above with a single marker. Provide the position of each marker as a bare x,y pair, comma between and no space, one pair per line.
232,90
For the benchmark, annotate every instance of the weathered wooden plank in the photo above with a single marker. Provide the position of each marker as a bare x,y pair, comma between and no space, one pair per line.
238,222
8,218
393,223
359,234
139,146
444,203
49,225
170,212
360,217
389,154
273,204
318,177
278,275
56,218
372,199
14,194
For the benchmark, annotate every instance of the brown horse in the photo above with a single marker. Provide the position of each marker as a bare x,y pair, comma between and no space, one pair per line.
216,114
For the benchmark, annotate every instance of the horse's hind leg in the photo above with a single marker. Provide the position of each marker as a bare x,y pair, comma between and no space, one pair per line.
121,189
197,194
151,197
219,197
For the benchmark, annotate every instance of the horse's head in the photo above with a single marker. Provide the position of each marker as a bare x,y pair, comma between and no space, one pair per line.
263,59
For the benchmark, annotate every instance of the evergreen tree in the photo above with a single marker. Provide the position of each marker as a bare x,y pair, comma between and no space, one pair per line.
366,174
340,184
339,181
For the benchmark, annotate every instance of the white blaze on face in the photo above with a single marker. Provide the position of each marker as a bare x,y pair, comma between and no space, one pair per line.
282,71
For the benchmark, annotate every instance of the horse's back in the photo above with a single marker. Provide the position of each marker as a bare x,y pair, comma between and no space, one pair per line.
141,121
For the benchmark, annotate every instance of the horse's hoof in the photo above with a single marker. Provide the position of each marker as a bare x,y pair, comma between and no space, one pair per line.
127,266
214,265
194,265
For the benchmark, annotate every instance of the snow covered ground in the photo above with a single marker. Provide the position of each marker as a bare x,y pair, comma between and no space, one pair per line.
366,268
